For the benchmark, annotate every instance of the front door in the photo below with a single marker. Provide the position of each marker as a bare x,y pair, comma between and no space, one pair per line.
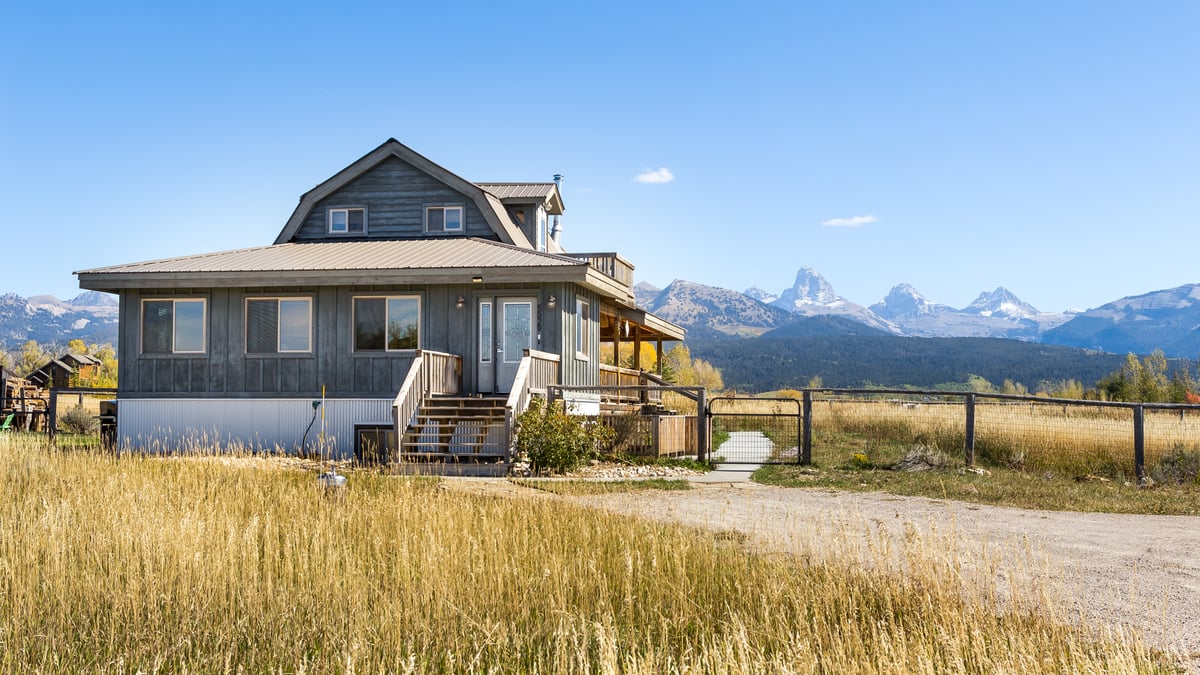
507,324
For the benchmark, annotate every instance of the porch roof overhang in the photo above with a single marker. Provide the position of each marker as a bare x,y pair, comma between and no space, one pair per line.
632,323
378,262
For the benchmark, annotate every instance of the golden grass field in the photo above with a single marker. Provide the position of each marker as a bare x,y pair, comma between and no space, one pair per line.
1036,436
141,564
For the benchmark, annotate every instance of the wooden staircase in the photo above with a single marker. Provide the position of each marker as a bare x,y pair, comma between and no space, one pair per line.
457,429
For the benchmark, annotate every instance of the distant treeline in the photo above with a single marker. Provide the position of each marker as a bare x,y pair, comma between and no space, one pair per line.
768,364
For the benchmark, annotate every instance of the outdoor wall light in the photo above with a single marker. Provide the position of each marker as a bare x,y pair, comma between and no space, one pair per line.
460,303
477,280
552,302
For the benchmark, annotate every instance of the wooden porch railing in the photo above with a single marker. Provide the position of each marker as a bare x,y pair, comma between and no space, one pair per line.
611,264
431,373
615,376
538,370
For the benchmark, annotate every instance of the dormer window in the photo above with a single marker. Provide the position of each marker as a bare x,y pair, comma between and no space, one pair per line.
443,219
347,220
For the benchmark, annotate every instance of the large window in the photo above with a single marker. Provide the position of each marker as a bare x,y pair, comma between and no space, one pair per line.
443,219
347,220
173,326
387,323
583,329
275,325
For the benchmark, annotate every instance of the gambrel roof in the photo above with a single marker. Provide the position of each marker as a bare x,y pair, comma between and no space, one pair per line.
488,204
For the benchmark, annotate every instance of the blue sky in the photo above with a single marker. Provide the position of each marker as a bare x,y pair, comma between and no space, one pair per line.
1049,147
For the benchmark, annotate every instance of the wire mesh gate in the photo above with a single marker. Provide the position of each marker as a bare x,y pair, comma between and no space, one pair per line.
757,431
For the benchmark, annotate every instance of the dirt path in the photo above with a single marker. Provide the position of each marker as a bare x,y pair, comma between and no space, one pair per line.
1118,570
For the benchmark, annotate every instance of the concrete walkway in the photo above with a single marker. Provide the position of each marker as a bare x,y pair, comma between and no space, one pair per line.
747,449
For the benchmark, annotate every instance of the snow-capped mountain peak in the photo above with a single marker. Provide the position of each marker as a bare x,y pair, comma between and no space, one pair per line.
810,289
904,301
760,295
1001,302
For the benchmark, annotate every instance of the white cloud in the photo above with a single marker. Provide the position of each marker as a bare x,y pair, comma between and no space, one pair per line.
662,175
853,221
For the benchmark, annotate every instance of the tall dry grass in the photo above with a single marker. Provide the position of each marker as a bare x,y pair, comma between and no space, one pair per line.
139,564
1075,440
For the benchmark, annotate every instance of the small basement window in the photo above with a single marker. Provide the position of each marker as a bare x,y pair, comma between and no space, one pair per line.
443,219
347,220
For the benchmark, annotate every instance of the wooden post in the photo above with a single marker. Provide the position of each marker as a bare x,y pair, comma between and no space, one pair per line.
1139,442
702,439
806,429
970,443
658,357
52,422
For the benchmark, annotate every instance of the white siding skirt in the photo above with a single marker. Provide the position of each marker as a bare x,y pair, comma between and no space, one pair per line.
246,425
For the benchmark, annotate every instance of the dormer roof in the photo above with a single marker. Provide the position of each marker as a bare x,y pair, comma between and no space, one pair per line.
488,203
527,193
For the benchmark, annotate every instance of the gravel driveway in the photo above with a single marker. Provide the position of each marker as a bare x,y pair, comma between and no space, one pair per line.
1117,570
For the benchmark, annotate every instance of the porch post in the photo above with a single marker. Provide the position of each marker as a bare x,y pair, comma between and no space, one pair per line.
617,343
658,360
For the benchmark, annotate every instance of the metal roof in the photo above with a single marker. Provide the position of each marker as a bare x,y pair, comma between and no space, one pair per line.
519,190
526,192
414,254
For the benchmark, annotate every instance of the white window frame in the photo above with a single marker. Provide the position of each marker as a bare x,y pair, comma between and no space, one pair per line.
279,323
583,329
542,224
344,210
354,323
462,218
174,332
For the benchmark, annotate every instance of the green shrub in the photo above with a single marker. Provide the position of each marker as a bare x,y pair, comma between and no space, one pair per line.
555,441
78,420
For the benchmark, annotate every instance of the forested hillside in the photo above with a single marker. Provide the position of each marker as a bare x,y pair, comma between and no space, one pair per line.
767,364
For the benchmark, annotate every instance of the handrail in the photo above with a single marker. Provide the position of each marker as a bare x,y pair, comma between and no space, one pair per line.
430,373
404,407
537,372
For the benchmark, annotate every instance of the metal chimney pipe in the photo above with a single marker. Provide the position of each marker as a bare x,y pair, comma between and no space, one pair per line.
556,229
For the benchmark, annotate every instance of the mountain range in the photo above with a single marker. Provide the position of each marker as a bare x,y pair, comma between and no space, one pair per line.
1166,319
89,316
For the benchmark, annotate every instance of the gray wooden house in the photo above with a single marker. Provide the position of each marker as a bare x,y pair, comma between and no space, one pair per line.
420,308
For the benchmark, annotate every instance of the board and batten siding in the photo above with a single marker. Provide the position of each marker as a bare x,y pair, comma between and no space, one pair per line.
395,195
225,369
256,425
573,369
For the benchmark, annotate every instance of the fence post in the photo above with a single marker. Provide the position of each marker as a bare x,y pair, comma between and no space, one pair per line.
702,439
806,430
52,414
1139,442
970,443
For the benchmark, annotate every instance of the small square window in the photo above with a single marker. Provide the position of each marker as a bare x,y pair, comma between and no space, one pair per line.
443,219
347,221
